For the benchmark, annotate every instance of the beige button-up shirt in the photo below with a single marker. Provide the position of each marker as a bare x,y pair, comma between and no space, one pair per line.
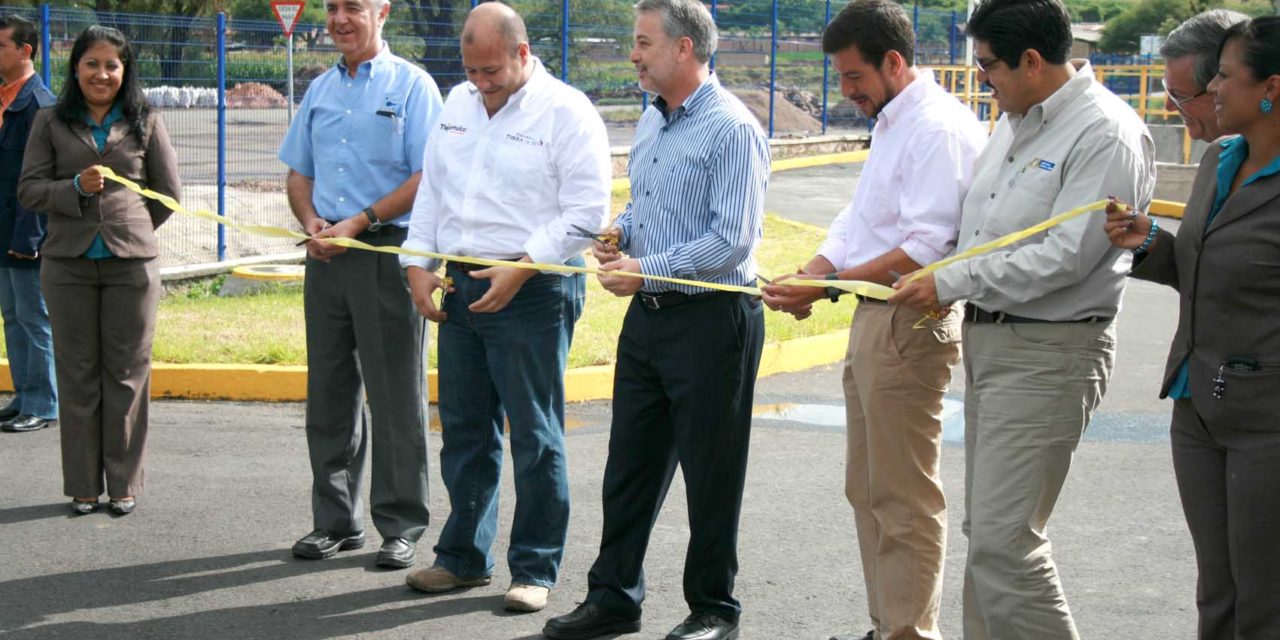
1080,145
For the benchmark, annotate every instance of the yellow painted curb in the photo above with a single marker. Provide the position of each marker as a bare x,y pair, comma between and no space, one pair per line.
622,186
808,162
1167,208
278,383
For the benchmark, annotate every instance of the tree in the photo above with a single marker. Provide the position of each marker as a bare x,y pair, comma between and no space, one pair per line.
436,23
1123,32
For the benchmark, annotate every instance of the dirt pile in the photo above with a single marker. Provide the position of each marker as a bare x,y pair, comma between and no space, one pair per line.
254,95
788,119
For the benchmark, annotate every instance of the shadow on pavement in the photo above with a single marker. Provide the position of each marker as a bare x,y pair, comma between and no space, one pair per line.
15,515
307,617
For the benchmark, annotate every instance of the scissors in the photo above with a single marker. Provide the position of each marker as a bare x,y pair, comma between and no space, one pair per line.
583,232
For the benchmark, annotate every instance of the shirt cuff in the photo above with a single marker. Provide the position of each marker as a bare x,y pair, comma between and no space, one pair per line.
953,283
656,265
430,264
921,252
834,252
539,248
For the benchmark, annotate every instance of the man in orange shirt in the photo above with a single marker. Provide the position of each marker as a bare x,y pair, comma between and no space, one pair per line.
26,321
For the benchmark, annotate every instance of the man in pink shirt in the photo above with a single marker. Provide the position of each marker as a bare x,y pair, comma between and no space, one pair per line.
904,214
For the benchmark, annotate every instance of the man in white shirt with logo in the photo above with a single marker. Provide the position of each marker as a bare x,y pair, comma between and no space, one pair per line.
904,214
517,161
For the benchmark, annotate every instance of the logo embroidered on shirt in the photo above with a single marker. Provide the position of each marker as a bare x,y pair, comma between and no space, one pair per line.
1046,165
523,139
456,130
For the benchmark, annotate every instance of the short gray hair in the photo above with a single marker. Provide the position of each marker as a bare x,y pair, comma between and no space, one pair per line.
1201,36
686,19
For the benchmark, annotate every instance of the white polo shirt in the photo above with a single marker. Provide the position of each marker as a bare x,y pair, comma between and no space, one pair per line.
512,185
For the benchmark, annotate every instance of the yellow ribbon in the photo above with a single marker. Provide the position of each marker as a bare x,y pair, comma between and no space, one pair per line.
881,292
351,243
863,288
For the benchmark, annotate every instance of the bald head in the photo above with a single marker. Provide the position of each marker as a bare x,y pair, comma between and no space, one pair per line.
495,19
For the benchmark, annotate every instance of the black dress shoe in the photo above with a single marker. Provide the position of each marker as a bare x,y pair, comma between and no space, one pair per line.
704,626
27,423
320,544
9,411
396,553
589,621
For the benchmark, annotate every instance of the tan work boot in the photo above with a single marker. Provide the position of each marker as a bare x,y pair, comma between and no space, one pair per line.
526,597
436,579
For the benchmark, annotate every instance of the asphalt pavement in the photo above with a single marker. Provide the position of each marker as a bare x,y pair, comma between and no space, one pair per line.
206,555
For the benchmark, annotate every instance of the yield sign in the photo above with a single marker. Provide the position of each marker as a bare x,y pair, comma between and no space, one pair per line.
288,12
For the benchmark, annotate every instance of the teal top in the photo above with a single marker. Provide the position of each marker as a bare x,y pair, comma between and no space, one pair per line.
98,250
1234,152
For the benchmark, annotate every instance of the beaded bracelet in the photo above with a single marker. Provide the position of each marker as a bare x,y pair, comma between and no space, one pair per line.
76,184
1151,237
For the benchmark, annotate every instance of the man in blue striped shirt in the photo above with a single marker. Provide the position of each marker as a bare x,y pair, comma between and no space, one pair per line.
687,355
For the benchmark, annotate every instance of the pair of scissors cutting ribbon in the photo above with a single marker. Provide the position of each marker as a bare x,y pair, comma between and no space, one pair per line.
583,232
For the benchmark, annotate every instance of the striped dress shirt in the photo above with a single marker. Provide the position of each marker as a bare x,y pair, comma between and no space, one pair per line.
698,177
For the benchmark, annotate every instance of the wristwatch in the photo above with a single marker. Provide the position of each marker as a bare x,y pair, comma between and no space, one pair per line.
374,222
833,294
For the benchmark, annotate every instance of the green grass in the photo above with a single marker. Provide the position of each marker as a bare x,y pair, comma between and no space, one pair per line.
197,326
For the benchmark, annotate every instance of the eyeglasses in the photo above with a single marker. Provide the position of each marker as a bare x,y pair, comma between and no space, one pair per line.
985,64
1179,102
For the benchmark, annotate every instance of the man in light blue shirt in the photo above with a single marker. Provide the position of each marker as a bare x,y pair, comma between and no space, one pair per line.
355,159
687,355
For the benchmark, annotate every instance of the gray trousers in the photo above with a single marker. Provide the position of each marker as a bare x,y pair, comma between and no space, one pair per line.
1030,390
1229,480
365,343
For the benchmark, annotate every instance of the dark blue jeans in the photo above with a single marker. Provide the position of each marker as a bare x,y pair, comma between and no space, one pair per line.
506,367
29,342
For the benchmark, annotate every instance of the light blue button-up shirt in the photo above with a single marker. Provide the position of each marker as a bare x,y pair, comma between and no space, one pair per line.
359,138
698,177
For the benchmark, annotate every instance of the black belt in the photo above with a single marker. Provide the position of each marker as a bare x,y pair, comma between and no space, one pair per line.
861,299
468,267
977,315
668,299
385,231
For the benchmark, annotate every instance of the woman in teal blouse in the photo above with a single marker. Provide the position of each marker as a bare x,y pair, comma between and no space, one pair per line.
1223,371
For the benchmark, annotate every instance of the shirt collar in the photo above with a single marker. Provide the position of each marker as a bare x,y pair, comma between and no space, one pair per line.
907,99
699,97
1055,104
370,65
11,90
112,116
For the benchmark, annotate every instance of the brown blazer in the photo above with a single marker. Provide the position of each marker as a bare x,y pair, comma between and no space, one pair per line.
1229,281
56,152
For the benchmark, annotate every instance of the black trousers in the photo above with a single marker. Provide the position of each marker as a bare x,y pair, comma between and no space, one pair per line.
682,394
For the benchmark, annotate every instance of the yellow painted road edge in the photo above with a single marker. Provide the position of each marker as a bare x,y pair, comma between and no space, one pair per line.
278,383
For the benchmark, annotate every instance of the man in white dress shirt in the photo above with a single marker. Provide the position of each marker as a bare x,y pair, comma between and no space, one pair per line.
517,159
904,214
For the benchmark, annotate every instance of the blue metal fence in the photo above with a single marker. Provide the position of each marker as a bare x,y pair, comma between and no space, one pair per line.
222,84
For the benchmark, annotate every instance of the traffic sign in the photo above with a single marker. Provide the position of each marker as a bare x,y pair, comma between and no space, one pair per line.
288,12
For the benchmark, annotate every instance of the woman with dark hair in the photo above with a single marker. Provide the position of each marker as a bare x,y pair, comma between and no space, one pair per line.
101,276
1224,367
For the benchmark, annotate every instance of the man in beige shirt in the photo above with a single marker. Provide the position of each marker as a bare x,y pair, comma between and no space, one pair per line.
1038,336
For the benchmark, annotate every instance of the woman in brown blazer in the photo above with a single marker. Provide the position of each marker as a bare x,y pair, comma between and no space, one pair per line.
1224,367
101,277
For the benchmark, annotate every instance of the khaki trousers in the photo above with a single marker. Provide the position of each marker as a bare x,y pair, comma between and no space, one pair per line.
103,315
895,374
1030,389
